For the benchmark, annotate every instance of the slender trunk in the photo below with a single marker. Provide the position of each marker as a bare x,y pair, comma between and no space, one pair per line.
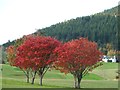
33,78
41,77
78,86
27,79
79,80
75,81
42,72
27,76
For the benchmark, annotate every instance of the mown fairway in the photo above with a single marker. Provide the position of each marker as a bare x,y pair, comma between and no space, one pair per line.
101,77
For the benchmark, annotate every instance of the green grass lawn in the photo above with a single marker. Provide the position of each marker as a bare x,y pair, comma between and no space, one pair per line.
108,66
101,77
107,71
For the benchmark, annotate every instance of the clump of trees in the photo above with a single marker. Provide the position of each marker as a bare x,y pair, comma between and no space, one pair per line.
36,54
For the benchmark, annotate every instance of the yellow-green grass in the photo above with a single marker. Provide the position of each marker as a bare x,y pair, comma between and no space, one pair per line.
13,72
107,71
109,65
59,83
101,77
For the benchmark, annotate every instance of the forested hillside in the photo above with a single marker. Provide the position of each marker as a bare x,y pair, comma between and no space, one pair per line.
101,28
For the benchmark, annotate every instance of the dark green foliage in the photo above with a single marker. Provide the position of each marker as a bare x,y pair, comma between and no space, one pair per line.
101,28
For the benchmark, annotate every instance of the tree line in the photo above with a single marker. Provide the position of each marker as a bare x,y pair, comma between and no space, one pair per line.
101,28
98,28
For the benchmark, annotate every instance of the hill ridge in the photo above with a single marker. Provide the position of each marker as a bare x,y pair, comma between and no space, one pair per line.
100,27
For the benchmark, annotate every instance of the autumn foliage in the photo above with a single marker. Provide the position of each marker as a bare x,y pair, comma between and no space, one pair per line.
11,51
77,57
11,55
39,53
35,53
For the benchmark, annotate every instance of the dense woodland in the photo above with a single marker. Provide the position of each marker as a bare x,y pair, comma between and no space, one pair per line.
101,28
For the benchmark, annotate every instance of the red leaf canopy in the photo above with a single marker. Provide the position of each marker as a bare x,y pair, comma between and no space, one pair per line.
36,52
76,54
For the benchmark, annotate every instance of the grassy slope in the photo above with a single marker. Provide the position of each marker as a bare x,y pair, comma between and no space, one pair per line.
13,72
56,79
107,71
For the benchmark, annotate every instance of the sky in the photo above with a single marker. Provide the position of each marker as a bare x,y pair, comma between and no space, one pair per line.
23,17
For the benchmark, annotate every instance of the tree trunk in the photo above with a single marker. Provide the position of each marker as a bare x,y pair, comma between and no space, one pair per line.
27,79
41,77
42,72
27,76
77,80
33,78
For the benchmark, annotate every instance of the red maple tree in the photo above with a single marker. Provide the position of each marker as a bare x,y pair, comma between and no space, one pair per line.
77,57
36,53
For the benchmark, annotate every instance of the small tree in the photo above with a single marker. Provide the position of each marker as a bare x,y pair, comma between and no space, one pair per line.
11,51
77,57
36,53
11,54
